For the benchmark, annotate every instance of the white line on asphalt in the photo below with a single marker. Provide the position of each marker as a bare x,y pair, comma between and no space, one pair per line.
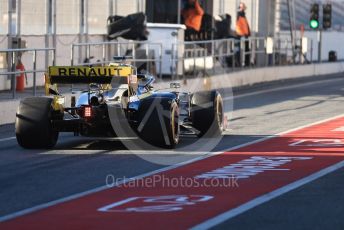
7,139
266,197
78,195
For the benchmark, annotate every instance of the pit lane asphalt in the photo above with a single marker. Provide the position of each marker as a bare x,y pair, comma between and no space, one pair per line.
33,177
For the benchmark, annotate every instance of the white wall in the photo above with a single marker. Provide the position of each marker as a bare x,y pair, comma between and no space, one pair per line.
250,77
269,74
332,40
3,17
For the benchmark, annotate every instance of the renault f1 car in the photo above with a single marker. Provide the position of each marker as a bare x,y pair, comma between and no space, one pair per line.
116,95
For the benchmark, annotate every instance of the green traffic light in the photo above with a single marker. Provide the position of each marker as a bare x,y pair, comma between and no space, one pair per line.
314,24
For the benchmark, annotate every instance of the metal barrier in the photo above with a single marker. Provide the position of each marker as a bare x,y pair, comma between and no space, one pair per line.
141,52
233,54
202,55
252,49
189,57
186,57
284,53
12,57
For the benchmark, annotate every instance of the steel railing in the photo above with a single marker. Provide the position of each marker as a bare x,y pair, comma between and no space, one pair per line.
234,54
187,57
12,56
201,55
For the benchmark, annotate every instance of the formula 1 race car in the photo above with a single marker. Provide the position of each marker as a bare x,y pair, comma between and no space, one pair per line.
115,96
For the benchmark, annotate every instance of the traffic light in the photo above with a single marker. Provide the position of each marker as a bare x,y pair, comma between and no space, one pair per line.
314,19
327,16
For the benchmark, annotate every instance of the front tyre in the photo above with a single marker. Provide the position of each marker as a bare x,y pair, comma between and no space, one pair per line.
207,113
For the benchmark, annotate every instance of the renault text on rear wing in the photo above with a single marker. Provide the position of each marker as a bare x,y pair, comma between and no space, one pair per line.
82,74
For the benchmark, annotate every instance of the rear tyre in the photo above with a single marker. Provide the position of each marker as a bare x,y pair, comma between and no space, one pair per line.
207,113
159,125
33,123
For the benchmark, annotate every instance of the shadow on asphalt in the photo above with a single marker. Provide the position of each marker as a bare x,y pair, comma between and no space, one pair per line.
116,144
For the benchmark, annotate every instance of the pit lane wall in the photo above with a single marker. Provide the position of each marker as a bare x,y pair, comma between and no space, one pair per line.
247,77
253,76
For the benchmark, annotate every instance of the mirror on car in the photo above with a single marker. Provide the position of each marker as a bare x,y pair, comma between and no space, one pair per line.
53,92
94,87
174,85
